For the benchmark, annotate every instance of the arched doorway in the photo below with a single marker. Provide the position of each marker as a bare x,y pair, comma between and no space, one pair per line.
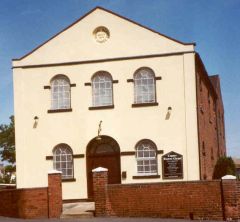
103,153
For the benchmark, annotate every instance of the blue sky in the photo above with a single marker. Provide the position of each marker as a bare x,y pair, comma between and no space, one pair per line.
213,25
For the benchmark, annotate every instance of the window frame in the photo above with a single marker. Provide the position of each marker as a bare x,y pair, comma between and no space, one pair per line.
100,103
141,94
58,108
155,158
65,176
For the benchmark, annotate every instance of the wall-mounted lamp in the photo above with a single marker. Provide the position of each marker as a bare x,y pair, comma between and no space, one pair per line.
168,113
99,130
124,174
36,118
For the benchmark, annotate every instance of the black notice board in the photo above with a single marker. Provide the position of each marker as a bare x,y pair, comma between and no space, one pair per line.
172,166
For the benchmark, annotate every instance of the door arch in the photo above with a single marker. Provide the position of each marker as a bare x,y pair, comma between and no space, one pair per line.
103,153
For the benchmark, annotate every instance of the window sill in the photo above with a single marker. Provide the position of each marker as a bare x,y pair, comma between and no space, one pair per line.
101,107
59,110
146,176
144,104
69,180
127,153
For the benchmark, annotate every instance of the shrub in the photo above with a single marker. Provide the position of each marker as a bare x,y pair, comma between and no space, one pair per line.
224,166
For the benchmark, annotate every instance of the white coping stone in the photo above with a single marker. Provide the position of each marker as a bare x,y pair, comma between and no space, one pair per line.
54,172
99,169
229,177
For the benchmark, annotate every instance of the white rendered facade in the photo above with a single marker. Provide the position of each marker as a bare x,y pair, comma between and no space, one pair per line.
78,54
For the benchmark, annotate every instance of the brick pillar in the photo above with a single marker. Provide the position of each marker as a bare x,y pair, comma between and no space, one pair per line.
100,180
54,194
230,197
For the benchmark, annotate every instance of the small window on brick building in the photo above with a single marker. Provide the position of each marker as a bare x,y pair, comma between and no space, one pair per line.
212,156
210,110
201,107
203,149
200,85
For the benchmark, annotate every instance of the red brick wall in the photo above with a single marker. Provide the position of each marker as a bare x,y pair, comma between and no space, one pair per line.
33,203
166,200
24,203
231,193
213,200
8,203
55,195
211,146
100,179
238,200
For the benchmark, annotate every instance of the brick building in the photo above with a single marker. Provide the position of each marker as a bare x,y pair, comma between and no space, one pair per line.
211,130
109,92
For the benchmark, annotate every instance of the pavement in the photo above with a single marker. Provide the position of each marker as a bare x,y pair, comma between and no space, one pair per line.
83,212
100,219
78,210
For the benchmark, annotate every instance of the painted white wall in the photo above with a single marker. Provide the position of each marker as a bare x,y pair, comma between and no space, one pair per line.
78,43
125,124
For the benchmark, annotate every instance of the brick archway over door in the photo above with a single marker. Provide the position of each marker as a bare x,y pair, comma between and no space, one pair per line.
103,153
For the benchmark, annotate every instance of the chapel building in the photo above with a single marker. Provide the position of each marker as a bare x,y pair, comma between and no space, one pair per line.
109,92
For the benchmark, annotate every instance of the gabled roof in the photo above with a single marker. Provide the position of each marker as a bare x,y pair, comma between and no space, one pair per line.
113,13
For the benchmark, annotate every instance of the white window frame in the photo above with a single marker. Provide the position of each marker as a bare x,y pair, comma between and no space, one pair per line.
63,160
144,86
102,89
60,93
146,157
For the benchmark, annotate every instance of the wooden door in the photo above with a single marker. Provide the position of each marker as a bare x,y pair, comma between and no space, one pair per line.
103,154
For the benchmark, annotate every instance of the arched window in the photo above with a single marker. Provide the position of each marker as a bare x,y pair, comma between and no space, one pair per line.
102,94
63,160
144,86
146,156
60,93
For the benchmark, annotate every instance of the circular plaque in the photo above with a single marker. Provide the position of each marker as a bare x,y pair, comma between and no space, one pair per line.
101,34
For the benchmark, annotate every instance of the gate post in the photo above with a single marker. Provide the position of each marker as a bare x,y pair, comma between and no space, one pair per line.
230,197
100,181
54,194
